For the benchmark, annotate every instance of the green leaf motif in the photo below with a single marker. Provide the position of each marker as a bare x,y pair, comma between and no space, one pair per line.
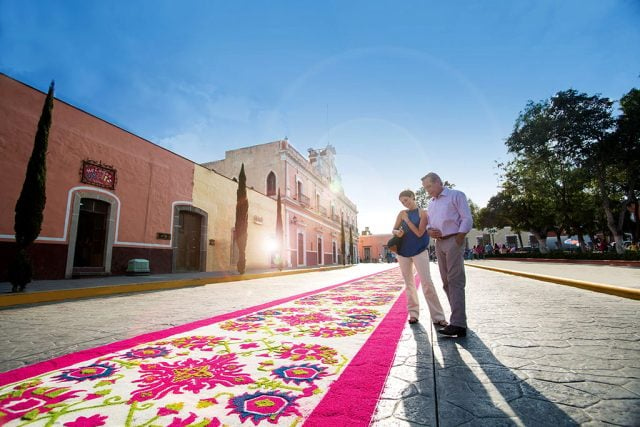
31,415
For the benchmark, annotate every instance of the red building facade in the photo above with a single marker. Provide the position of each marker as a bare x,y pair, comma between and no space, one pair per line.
111,195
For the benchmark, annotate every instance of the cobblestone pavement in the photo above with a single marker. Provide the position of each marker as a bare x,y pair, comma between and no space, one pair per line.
536,354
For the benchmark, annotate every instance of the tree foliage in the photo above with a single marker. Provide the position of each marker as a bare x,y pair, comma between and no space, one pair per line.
30,205
242,220
627,141
572,164
423,199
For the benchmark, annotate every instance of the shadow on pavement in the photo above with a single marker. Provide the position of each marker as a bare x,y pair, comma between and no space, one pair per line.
472,386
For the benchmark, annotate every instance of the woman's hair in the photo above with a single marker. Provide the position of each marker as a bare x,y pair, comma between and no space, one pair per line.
407,193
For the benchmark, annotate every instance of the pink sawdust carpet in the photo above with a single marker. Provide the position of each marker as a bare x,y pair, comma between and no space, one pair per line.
315,359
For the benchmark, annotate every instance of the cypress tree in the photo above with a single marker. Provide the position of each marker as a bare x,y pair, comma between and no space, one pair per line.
30,205
242,220
279,233
342,241
351,244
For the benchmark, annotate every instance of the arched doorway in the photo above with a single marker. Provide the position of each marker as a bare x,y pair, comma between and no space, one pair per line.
189,243
91,236
92,230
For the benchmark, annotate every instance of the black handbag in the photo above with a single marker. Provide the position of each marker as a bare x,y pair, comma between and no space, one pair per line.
394,244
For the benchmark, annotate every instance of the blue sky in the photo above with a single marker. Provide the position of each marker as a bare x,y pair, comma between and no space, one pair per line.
400,88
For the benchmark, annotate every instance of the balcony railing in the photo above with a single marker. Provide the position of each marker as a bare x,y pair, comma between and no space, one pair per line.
335,217
304,200
322,210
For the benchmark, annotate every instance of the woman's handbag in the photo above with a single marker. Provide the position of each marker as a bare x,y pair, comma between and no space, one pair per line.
394,244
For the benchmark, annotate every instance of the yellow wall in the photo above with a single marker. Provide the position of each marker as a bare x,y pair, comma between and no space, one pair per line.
216,195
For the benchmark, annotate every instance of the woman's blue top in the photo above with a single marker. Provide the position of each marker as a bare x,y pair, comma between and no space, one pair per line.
411,244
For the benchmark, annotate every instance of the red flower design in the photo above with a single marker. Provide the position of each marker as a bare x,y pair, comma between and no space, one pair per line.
92,421
205,343
249,345
300,319
309,352
159,379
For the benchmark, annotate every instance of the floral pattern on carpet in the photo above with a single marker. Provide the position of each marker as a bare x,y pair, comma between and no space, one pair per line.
270,367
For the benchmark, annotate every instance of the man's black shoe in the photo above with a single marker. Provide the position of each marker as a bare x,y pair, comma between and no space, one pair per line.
453,331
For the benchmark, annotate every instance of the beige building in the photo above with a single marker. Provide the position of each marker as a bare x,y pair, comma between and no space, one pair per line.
313,201
215,195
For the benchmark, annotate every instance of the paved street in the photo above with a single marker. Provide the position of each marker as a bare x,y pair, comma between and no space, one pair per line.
537,353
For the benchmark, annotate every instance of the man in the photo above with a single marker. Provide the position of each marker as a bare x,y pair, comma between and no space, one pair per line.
449,222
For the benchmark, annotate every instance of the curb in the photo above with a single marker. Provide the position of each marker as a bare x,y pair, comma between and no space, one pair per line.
612,262
17,299
596,287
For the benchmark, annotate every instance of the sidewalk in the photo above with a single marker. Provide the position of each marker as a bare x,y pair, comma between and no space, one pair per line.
614,280
40,291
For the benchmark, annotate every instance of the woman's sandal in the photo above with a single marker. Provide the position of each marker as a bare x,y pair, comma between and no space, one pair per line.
442,323
413,320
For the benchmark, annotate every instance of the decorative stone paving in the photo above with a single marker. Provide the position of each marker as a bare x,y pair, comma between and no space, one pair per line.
536,354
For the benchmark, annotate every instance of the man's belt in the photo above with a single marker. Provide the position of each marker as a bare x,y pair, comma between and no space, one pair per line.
447,236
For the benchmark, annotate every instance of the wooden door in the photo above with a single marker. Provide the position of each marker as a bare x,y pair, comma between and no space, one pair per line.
91,236
189,237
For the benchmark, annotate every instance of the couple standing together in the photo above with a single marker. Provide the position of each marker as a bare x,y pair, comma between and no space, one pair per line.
448,221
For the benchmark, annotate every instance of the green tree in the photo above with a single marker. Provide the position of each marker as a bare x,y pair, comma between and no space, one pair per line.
494,214
582,125
526,201
475,211
627,142
30,205
279,233
423,199
242,220
552,142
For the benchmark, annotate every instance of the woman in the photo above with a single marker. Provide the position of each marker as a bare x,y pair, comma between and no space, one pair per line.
411,225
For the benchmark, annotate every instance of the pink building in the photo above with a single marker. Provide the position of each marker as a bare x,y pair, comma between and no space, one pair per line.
373,247
111,195
314,203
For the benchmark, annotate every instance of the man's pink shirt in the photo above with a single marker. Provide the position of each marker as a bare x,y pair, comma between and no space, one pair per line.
450,213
